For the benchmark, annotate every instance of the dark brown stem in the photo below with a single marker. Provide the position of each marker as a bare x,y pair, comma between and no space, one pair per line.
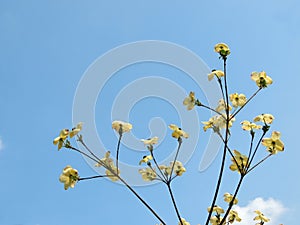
118,150
234,197
255,93
175,158
224,151
259,163
174,203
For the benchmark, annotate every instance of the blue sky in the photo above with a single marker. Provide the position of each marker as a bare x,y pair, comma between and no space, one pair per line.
46,47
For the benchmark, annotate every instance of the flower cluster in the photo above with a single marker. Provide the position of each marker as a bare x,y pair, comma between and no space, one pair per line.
162,172
232,215
226,112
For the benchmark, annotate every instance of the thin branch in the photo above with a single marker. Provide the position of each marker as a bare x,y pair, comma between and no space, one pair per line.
93,177
207,107
174,203
124,182
224,153
255,93
175,158
234,197
80,139
259,163
256,148
118,148
163,178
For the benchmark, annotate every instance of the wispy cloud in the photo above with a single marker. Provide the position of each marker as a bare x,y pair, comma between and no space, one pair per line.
1,144
271,208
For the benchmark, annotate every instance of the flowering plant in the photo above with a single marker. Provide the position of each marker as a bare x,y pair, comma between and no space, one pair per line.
226,111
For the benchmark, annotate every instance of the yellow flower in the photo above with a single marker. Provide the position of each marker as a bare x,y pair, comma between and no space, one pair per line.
121,127
228,198
216,209
178,168
146,159
61,138
165,169
217,123
69,177
184,222
237,99
266,118
190,101
273,144
260,216
246,125
76,130
150,141
177,132
261,79
216,220
233,216
217,73
148,174
222,49
222,105
220,122
239,162
209,124
106,161
112,175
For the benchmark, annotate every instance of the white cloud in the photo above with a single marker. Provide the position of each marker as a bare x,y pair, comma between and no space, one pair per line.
271,208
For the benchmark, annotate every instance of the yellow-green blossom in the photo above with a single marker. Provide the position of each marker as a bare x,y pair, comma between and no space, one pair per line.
273,144
239,162
69,177
260,216
222,49
265,118
217,73
178,168
121,127
106,161
233,216
178,132
76,130
217,123
216,220
146,159
150,141
246,125
59,141
237,99
220,122
222,106
228,198
261,79
216,209
148,174
208,124
190,101
183,221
